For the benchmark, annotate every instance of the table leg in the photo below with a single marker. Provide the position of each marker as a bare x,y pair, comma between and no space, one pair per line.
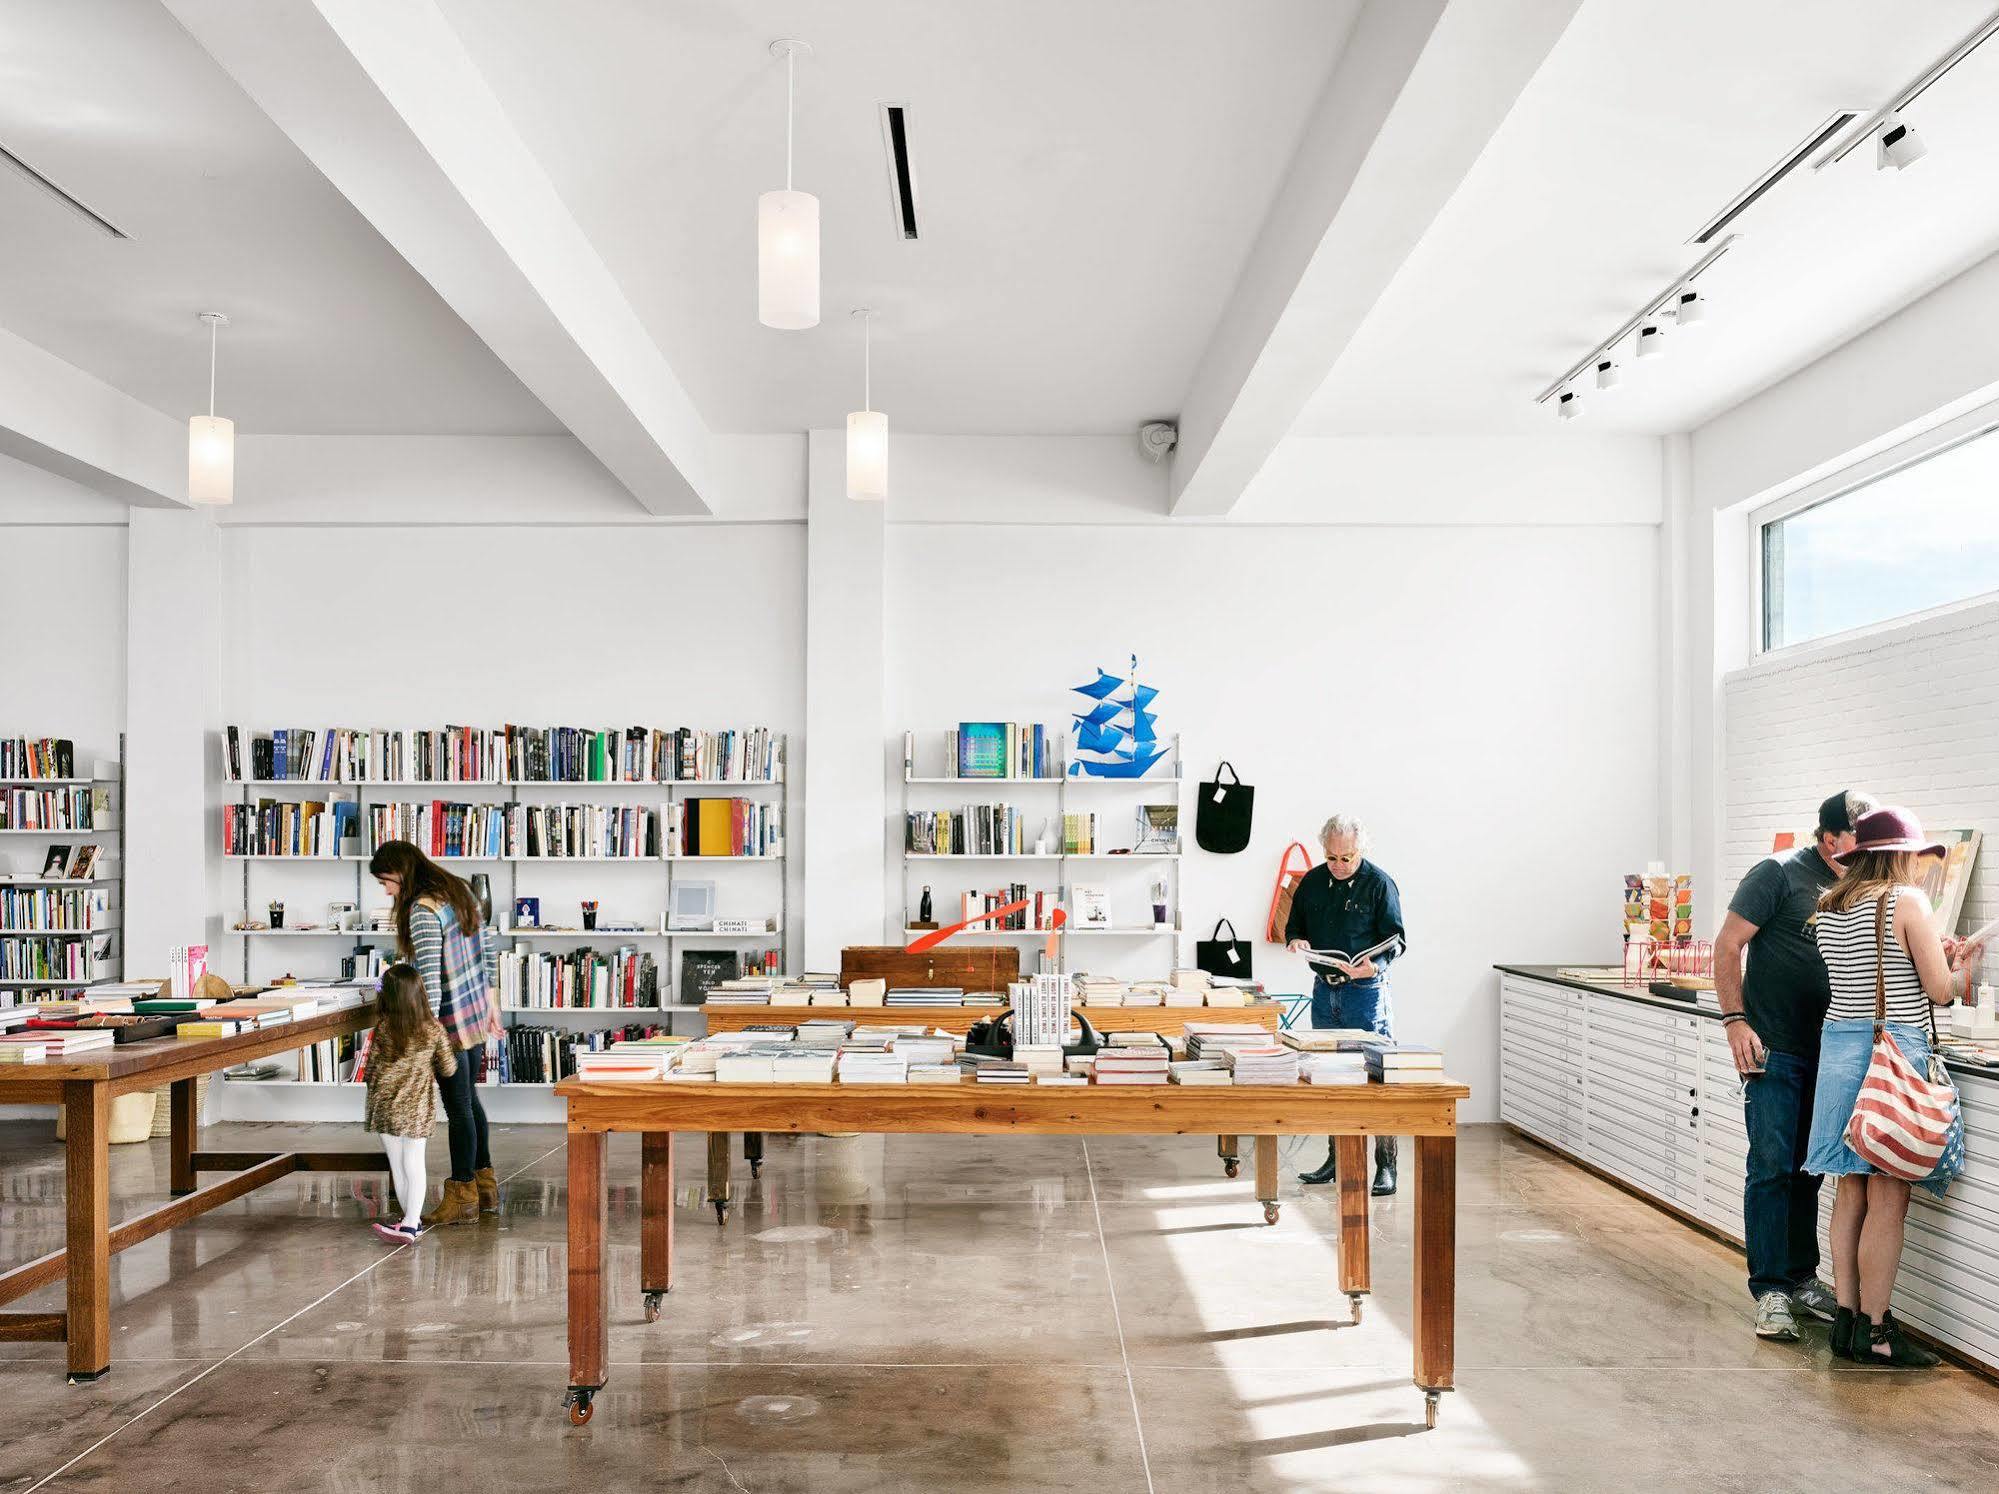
753,1151
589,1331
87,1197
1356,1276
1266,1176
1436,1266
718,1174
1225,1148
655,1219
184,1118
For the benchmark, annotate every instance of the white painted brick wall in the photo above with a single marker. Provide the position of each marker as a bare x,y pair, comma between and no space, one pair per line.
1909,713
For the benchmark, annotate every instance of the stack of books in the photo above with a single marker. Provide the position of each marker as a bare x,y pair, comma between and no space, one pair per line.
1132,1064
870,1065
1214,1039
1404,1063
1099,990
925,996
1039,1058
802,1066
720,997
1003,1071
751,1066
23,1047
626,1062
935,1073
1272,1064
930,1050
1330,1039
1201,1071
1335,1068
64,1042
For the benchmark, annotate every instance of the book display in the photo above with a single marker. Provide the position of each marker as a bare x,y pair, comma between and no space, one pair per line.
61,874
1088,830
574,835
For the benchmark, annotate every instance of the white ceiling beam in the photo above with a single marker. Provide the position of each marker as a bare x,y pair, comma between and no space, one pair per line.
382,97
1417,92
55,416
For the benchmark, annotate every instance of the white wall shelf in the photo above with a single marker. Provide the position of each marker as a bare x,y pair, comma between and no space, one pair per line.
110,967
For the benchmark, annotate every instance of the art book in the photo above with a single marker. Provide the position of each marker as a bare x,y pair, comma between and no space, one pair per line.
1332,959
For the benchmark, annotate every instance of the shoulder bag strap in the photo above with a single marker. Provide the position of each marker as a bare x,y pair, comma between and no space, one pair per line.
1881,963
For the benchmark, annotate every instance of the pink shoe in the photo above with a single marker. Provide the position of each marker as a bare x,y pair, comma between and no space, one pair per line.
395,1234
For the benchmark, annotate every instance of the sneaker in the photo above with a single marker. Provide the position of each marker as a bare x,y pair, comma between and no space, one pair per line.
396,1234
1812,1300
1774,1320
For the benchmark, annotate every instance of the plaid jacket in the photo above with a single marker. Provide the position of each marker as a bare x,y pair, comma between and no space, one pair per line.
459,973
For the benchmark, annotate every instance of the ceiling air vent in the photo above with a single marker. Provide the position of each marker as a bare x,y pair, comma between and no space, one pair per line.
1790,161
28,173
901,175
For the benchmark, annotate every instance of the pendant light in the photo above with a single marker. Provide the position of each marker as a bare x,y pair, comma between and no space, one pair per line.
867,428
788,231
211,440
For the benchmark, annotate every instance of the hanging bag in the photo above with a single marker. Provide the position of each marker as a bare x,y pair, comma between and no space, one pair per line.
1289,874
1222,813
1905,1124
1219,956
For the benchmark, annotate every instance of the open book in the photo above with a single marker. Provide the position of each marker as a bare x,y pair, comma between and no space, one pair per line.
1332,959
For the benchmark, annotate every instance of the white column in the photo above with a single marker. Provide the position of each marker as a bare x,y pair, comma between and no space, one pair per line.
172,687
845,801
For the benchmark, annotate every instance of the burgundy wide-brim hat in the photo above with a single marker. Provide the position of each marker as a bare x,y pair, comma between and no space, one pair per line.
1890,829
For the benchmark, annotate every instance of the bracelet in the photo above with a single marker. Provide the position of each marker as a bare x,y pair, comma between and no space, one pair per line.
1728,1017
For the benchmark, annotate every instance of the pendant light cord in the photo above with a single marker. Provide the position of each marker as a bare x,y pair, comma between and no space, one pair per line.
790,86
868,361
213,326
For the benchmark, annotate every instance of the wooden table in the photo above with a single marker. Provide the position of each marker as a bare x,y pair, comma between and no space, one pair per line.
85,1087
1168,1021
656,1111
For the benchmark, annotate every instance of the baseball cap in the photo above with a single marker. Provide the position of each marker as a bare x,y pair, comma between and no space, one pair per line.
1843,810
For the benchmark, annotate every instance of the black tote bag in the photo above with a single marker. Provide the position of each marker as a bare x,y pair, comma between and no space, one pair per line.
1219,956
1222,812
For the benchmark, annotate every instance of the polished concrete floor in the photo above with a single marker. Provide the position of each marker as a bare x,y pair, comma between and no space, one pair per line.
945,1313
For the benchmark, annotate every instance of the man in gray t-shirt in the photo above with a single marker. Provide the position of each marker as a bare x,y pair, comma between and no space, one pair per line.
1773,1005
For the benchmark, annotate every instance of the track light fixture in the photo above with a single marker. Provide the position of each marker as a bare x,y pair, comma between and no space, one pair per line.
1690,309
1898,145
1608,375
1651,341
1570,405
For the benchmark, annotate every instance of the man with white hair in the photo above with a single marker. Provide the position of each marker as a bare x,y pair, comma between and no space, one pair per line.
1351,905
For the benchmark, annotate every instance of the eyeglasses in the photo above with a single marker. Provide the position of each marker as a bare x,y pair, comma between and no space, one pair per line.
1343,859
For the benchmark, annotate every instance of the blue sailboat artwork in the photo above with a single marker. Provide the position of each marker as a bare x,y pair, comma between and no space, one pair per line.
1120,733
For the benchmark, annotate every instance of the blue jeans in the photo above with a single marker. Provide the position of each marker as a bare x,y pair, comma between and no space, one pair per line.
1780,1200
1361,1004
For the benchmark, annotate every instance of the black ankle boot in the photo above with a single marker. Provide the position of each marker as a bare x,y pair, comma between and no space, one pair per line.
1327,1170
1885,1346
1842,1333
1384,1166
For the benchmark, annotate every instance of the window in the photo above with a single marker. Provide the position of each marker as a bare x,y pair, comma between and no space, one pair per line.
1921,536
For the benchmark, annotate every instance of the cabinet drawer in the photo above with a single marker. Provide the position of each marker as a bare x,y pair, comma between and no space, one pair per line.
1533,1062
1638,1052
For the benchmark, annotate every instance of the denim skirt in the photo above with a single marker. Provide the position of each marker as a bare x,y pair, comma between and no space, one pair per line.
1846,1047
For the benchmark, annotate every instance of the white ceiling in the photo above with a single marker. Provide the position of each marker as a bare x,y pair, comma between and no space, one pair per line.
1644,122
331,332
1092,177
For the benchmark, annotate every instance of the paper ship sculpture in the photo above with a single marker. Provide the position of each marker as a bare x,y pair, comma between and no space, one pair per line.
1119,733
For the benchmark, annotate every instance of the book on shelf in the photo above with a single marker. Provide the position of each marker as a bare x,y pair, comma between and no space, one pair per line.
542,1055
974,830
577,979
1158,829
1079,833
54,909
711,826
523,754
1089,905
66,810
996,749
37,757
291,827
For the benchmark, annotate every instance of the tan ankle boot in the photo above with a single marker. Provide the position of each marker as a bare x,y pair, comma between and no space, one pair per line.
459,1205
489,1190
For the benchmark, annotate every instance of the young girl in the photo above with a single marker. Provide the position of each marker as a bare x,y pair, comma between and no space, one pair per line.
439,929
408,1048
1920,969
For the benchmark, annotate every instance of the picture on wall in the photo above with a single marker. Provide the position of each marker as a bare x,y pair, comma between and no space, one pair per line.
1945,881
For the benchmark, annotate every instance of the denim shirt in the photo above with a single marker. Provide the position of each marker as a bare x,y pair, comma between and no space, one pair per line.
1350,915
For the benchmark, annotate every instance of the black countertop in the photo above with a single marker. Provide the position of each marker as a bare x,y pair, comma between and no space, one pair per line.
1641,995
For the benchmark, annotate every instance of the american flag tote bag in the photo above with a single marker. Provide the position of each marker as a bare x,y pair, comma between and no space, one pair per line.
1905,1124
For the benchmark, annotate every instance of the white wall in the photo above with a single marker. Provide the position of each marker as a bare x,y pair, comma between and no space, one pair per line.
1482,696
62,611
1910,713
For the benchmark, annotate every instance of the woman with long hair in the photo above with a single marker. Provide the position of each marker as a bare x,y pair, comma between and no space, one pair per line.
439,929
1875,922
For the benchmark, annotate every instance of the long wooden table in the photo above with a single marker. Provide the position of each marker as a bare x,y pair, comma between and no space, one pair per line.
656,1111
85,1087
1167,1021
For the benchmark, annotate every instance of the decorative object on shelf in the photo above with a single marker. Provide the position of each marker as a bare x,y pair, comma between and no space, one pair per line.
527,912
482,894
1222,812
1159,903
1219,956
1089,905
701,970
926,917
590,913
345,917
1120,733
211,440
692,908
277,913
788,229
867,428
1291,868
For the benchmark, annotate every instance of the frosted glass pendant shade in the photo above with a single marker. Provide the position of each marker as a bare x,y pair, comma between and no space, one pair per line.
867,455
211,460
788,260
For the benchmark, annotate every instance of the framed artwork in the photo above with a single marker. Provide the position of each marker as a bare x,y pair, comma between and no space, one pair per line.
1946,880
701,970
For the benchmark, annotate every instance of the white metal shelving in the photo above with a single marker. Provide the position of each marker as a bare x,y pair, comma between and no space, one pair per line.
110,968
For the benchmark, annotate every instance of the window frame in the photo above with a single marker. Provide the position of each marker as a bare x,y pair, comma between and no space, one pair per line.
1878,466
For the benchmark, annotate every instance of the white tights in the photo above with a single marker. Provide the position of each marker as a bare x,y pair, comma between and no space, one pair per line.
406,1167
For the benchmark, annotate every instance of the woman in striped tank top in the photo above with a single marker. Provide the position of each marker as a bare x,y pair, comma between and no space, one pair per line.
1921,969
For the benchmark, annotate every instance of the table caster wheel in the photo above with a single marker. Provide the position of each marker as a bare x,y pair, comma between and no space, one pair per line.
721,1211
1430,1399
653,1299
1270,1213
1355,1302
1230,1167
580,1409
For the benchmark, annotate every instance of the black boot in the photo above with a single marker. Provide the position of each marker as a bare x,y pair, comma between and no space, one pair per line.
1327,1170
1384,1166
1842,1333
1885,1346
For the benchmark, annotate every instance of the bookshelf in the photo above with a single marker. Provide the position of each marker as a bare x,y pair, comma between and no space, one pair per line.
635,891
59,933
1043,805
